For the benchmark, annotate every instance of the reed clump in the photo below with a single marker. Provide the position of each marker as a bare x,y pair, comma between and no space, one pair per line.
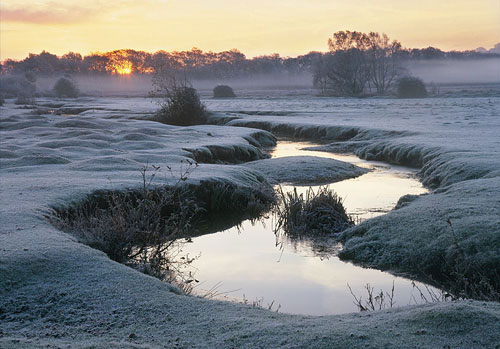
315,213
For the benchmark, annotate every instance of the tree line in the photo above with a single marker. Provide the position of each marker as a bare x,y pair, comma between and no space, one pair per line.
371,51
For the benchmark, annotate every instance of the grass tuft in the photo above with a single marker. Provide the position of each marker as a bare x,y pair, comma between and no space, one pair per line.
317,213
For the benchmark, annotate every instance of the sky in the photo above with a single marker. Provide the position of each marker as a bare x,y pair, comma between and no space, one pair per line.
256,27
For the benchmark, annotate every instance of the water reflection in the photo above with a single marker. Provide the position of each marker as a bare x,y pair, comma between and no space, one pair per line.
304,276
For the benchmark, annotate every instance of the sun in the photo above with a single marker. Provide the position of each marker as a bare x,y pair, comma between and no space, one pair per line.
123,68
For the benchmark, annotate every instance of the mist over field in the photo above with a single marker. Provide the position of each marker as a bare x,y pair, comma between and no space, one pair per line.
457,72
436,72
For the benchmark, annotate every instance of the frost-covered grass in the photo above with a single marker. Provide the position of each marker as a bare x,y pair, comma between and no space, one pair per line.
453,142
145,228
305,170
55,291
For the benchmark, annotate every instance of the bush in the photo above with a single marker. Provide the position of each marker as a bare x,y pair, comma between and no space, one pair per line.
411,87
223,91
180,104
319,213
65,88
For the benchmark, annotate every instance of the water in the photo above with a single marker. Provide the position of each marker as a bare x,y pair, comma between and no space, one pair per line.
302,277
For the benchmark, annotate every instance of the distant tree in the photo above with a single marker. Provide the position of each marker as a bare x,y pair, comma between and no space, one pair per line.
357,60
345,70
96,63
411,87
385,61
71,62
44,63
65,88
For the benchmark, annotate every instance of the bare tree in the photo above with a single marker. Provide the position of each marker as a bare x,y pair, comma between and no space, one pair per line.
357,59
344,70
385,61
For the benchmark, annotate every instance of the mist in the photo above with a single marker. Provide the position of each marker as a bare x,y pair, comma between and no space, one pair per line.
440,72
141,85
456,71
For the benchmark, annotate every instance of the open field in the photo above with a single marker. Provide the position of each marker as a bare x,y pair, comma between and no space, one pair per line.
56,291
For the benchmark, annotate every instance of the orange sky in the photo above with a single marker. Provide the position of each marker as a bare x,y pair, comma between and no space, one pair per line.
289,27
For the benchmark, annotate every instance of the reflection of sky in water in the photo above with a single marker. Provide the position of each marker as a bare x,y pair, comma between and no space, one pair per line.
296,277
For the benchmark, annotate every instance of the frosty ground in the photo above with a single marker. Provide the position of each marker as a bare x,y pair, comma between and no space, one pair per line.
56,291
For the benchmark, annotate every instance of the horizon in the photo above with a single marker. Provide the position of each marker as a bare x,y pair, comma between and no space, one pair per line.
59,55
289,28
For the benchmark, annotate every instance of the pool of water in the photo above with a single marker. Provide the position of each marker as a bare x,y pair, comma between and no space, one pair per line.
250,264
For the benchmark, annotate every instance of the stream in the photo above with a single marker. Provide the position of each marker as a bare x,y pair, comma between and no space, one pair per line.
247,263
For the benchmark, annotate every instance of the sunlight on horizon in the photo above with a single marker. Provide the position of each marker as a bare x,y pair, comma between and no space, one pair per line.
288,27
124,68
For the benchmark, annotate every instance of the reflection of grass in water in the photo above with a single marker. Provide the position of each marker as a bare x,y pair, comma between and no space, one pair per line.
319,213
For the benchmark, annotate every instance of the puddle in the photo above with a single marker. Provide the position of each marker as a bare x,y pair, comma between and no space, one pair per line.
247,263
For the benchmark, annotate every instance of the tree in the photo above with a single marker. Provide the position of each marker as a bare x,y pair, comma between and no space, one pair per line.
356,60
344,70
385,61
71,62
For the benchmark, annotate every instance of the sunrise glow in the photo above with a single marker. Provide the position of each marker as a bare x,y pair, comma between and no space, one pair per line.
124,68
259,27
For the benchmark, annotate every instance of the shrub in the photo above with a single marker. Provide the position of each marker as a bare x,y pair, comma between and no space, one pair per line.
223,91
411,87
319,213
180,104
65,88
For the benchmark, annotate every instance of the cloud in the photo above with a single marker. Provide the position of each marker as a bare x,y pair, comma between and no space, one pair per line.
60,12
46,14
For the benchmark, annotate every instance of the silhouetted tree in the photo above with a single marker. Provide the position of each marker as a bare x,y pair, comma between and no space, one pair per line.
356,60
385,61
345,69
72,62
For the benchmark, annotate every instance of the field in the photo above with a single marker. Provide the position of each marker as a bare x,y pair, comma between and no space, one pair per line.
59,292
